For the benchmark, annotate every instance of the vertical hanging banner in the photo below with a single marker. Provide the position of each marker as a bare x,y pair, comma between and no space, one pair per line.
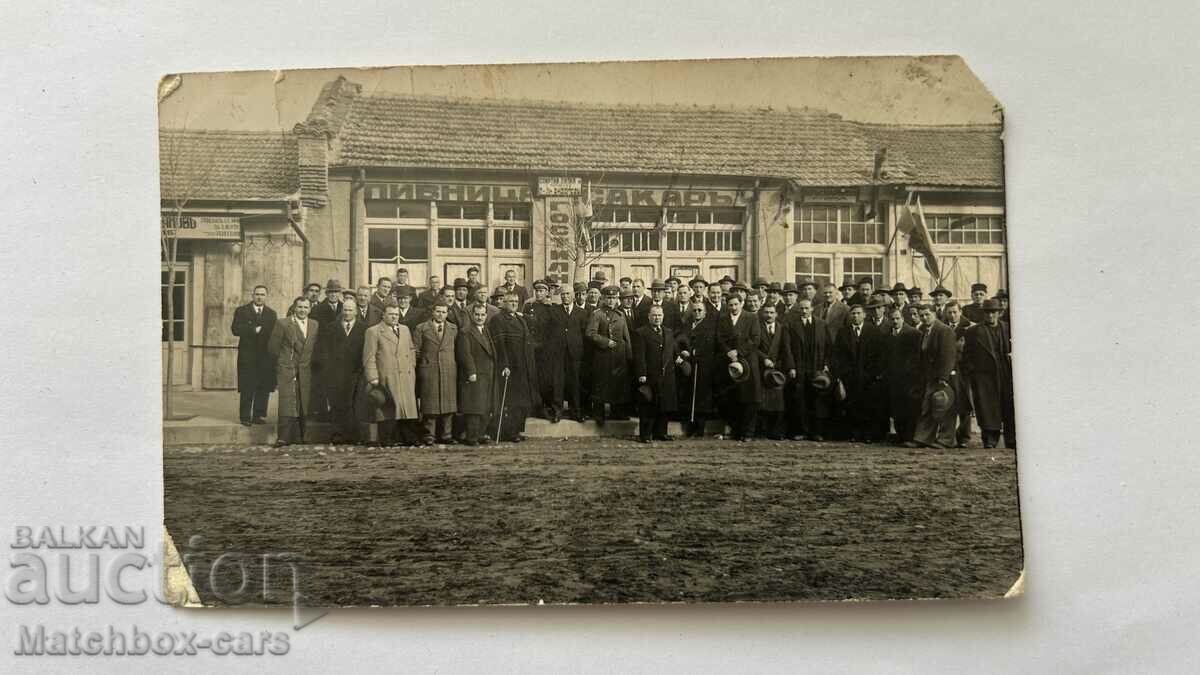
560,237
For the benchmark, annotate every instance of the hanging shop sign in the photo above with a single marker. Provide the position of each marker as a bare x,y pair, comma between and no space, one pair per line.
224,228
559,186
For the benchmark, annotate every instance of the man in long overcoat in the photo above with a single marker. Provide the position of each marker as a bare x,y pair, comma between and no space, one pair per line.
324,313
476,356
904,384
654,362
809,346
437,374
547,323
775,352
574,316
698,346
859,365
252,324
939,353
388,363
987,362
518,369
608,333
342,365
738,336
294,340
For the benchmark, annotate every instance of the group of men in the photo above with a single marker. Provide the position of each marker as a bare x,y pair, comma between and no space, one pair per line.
458,363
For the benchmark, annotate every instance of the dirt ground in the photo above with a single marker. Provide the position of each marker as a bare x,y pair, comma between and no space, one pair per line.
596,520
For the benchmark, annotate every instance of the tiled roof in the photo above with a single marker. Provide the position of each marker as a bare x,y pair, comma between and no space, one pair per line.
952,156
815,148
810,147
227,164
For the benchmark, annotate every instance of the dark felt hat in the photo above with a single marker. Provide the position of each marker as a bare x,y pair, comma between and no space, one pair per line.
790,287
941,399
992,305
579,287
941,290
727,278
460,283
698,281
773,379
821,381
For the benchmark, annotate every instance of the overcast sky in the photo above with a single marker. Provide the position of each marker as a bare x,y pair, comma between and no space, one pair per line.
908,90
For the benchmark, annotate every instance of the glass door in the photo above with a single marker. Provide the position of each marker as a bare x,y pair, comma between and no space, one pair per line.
175,339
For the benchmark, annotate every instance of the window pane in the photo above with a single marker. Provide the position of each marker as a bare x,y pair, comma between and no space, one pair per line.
479,238
969,237
645,215
414,244
728,216
413,210
377,209
445,237
520,212
710,241
821,266
956,236
804,265
381,243
474,211
178,331
737,241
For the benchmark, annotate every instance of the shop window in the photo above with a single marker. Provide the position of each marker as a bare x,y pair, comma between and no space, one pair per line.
174,323
604,241
697,240
462,210
462,237
617,215
634,241
397,210
816,224
817,268
392,244
950,228
706,216
857,267
510,212
510,239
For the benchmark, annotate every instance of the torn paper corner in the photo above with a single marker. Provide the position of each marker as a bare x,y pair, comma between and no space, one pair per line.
1018,587
167,84
177,583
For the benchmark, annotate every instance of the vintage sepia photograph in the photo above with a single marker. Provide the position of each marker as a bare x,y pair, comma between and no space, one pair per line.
612,332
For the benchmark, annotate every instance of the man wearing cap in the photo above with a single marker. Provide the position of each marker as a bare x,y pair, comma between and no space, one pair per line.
809,348
626,286
389,368
654,362
697,345
342,369
325,314
510,285
775,352
427,297
739,338
987,364
658,298
858,365
974,311
608,333
437,374
517,368
475,354
939,352
401,285
941,296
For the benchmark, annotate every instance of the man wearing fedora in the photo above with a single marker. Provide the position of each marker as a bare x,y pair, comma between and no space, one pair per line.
904,387
654,362
572,316
809,348
457,311
658,298
941,297
698,348
608,333
939,353
775,352
325,313
858,366
547,326
739,338
987,363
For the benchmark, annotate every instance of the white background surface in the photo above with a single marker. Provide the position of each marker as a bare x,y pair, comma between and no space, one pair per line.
1103,165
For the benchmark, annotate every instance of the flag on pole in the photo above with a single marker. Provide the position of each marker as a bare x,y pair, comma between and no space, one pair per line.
913,224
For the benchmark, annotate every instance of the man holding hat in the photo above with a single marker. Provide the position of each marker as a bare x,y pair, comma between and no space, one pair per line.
608,333
974,311
809,348
654,362
903,355
775,352
739,338
389,368
953,317
939,352
987,364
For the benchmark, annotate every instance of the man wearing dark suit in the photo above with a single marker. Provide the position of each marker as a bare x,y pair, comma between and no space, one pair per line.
324,313
574,317
476,356
974,311
510,285
427,297
775,352
658,298
939,352
342,370
379,301
903,358
401,286
654,362
715,306
987,364
457,312
809,347
252,323
858,364
410,317
834,311
517,368
739,335
952,316
294,341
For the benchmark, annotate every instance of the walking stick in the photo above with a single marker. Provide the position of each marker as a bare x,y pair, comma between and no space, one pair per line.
695,379
503,397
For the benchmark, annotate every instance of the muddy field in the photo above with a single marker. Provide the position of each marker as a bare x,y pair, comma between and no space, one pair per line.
597,520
